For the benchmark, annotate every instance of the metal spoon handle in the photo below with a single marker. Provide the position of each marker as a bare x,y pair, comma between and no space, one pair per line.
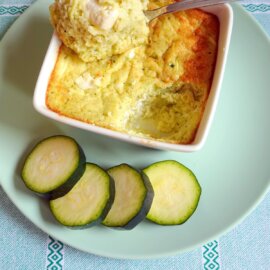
183,5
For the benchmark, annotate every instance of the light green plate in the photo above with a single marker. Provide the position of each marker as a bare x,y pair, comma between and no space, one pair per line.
233,167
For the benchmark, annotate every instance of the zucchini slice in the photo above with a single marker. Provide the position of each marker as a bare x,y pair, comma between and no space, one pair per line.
177,192
54,166
89,200
133,198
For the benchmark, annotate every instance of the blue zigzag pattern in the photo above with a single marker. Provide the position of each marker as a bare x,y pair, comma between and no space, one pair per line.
12,10
55,256
17,10
257,8
211,256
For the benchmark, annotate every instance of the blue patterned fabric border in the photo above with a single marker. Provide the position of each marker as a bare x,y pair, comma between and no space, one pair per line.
55,254
255,8
12,10
211,258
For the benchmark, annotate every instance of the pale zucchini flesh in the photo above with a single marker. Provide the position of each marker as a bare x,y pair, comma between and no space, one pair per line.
133,198
177,192
53,166
88,202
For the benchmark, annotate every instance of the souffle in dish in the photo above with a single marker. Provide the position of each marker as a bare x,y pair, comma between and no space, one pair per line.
116,70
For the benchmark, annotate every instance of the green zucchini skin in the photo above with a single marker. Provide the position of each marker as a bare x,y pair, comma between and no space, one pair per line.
148,200
72,179
146,203
186,212
104,211
108,207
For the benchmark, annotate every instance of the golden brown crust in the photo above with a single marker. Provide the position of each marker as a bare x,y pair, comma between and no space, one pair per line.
200,68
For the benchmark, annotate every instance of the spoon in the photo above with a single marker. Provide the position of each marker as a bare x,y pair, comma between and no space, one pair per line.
183,5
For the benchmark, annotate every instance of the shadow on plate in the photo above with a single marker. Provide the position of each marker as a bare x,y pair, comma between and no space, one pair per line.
24,55
21,58
105,151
